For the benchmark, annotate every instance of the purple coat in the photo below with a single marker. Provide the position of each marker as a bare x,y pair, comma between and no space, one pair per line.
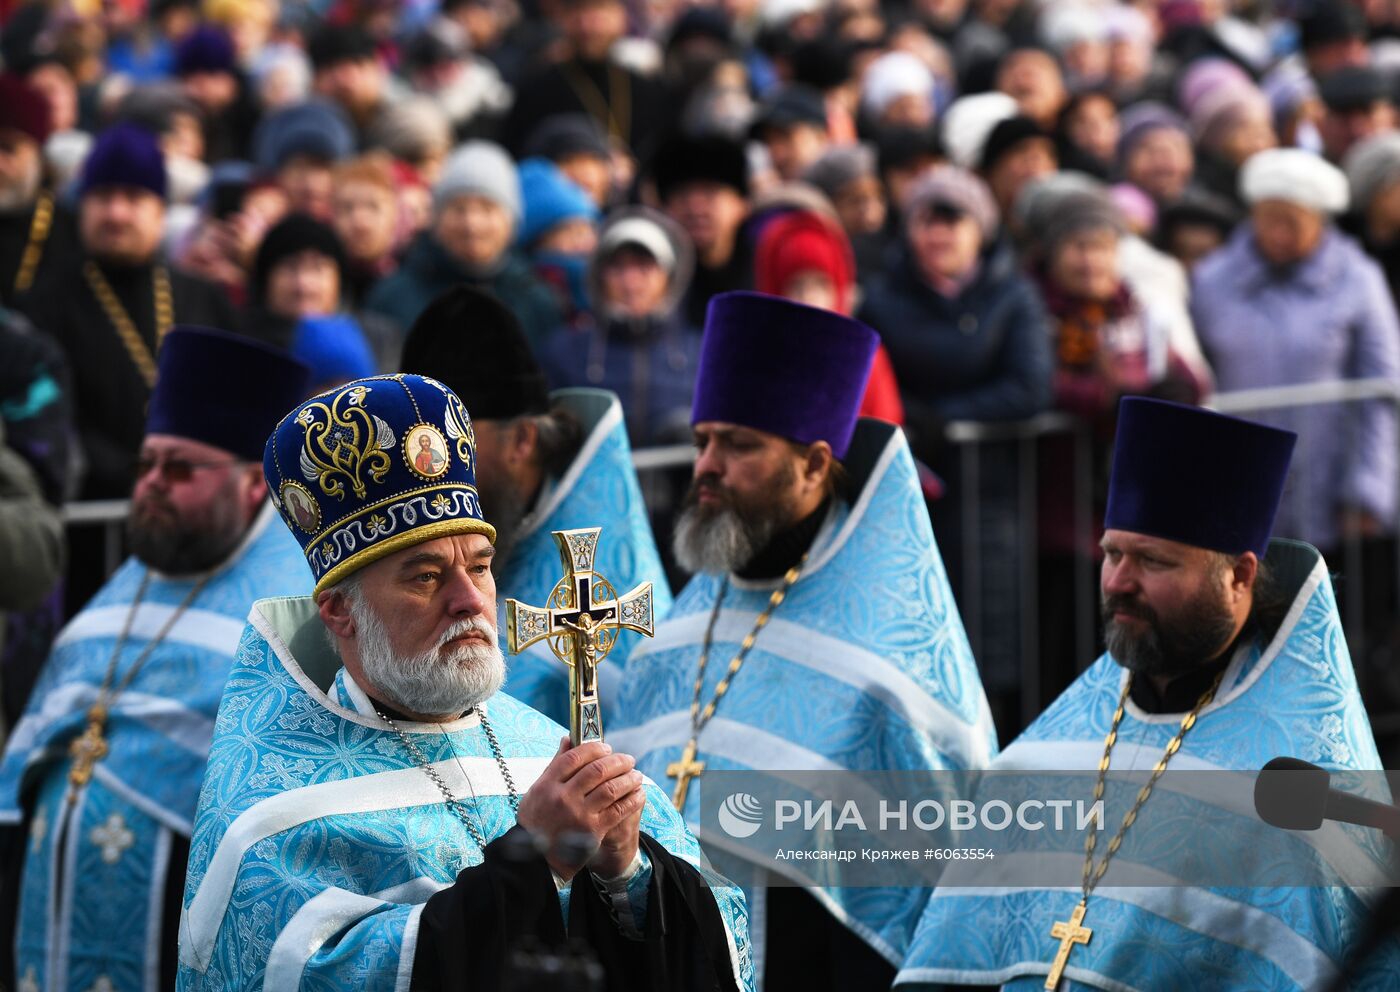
1329,318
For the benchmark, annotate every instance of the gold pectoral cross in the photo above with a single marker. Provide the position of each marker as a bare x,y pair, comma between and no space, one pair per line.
88,749
683,771
581,622
1068,934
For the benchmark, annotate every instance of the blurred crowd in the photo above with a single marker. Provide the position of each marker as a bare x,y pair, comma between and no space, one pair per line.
1038,205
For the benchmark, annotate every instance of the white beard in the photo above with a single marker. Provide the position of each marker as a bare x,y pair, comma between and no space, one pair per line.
437,681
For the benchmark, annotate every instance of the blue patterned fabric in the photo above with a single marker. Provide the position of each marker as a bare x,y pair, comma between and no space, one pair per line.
864,666
319,838
1295,696
96,915
600,487
373,466
345,692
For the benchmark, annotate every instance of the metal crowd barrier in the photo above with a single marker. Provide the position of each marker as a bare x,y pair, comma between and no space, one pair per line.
1351,576
970,441
971,438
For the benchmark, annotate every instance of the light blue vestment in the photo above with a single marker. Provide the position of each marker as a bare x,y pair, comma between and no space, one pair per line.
95,873
600,487
864,666
319,838
1294,696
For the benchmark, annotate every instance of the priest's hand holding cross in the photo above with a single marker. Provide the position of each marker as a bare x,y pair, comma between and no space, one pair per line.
588,789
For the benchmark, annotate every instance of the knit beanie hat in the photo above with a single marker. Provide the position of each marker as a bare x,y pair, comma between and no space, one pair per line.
205,49
1080,211
293,235
480,168
315,128
840,166
335,348
1372,167
950,186
551,198
411,129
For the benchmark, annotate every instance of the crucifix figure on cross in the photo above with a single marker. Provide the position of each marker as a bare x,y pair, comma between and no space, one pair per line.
580,622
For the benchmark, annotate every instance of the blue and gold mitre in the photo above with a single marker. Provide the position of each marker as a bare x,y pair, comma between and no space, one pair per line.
371,467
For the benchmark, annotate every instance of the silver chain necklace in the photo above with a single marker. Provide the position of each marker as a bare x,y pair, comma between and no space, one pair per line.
453,803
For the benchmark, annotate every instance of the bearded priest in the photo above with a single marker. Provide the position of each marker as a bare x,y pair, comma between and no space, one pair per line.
819,632
1225,649
376,815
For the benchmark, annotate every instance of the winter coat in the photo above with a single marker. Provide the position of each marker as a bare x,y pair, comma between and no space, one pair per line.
649,362
1328,318
428,271
982,355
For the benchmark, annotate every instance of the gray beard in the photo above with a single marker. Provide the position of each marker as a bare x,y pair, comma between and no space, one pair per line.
433,682
726,537
719,542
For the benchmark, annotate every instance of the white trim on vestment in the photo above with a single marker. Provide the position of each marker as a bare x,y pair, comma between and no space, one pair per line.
184,727
404,788
863,670
155,907
1200,910
586,453
326,914
206,629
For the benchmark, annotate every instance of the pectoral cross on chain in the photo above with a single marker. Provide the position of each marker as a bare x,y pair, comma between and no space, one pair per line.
1068,934
87,750
581,622
683,771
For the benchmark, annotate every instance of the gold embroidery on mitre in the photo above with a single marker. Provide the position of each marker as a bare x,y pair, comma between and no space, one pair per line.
458,423
459,428
349,442
427,461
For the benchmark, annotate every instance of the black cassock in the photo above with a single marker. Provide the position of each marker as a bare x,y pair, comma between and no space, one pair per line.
468,933
109,393
16,234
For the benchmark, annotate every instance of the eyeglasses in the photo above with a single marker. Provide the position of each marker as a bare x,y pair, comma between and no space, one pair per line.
175,469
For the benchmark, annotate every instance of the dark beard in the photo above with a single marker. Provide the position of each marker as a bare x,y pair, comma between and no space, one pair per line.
167,544
504,508
725,538
1168,649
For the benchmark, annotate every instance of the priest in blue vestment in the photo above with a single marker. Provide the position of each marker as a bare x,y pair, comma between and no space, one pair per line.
819,632
100,776
377,815
1225,650
545,462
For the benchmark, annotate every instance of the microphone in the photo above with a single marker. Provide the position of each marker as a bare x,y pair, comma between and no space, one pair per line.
1293,794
